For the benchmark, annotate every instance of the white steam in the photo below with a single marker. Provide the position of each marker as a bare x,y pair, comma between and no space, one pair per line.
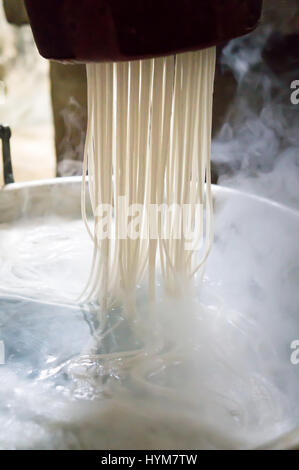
258,146
71,147
211,370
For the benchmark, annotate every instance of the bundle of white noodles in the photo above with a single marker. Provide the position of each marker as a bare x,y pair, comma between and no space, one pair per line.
148,139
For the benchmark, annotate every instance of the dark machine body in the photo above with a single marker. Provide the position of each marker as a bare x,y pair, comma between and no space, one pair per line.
122,30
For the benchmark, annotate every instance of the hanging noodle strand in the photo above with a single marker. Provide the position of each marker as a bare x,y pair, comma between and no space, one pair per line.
149,140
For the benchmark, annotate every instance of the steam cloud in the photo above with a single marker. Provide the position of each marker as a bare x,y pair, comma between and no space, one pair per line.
257,148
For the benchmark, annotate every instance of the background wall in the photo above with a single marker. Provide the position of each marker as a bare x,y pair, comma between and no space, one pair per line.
25,99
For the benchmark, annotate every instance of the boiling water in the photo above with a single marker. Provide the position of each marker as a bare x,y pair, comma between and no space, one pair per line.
212,370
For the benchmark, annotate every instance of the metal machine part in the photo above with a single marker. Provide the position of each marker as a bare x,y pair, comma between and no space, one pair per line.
114,30
5,135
